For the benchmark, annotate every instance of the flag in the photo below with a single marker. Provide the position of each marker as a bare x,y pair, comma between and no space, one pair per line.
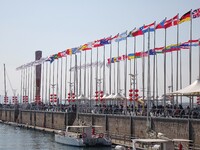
62,54
105,41
151,52
113,60
143,54
96,43
119,58
121,37
150,28
69,51
185,17
161,25
137,54
85,47
131,56
196,13
171,48
130,33
171,22
75,50
124,57
138,32
114,37
108,61
159,50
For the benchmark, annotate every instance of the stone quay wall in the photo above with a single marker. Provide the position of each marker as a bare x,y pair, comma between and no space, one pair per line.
114,124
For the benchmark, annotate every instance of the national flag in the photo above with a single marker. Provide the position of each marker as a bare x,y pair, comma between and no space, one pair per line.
138,32
150,28
171,22
161,25
69,51
55,56
196,13
114,37
143,54
96,43
131,56
185,17
109,61
75,50
119,58
124,57
171,48
151,52
105,41
85,47
121,37
113,60
131,32
62,54
137,54
159,50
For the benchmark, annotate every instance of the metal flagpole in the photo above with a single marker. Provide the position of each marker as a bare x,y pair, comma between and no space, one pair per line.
70,77
104,73
42,97
190,58
61,73
46,83
49,82
154,63
53,80
143,68
114,78
76,86
148,83
110,69
156,80
135,72
125,73
91,80
199,59
21,89
85,76
97,70
177,69
28,85
165,70
66,79
118,73
57,81
80,75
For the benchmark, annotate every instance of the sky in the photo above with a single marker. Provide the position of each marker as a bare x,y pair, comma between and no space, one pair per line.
53,26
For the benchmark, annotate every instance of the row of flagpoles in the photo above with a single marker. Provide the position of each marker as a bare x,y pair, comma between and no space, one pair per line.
175,21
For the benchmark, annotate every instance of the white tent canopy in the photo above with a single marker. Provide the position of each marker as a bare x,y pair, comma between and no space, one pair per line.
191,90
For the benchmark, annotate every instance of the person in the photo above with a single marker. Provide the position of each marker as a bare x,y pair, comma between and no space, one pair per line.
180,146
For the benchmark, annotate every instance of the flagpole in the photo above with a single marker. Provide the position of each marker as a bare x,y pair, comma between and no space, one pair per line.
114,77
61,79
57,80
97,70
21,88
104,73
80,75
31,89
125,74
199,59
165,69
85,76
154,63
190,58
66,79
143,68
110,75
118,73
49,82
148,83
70,78
177,69
135,73
156,80
42,97
46,82
91,80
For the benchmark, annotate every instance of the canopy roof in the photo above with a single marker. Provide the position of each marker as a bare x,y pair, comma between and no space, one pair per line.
191,90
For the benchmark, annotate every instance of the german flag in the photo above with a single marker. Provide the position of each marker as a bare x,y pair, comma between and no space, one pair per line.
185,17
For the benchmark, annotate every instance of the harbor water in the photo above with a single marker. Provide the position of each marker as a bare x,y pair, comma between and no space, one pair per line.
16,138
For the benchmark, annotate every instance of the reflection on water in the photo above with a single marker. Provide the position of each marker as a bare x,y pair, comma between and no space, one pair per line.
15,138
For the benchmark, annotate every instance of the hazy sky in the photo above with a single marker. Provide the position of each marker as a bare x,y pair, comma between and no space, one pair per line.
55,25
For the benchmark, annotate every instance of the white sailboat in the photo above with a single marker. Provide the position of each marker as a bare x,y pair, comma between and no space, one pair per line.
86,137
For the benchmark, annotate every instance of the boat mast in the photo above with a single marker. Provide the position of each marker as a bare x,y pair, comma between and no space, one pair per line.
5,81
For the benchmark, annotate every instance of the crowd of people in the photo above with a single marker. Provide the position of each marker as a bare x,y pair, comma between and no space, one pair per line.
139,110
